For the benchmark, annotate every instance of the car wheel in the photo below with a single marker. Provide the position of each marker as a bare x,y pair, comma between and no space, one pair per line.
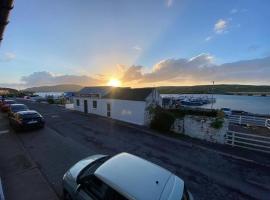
66,196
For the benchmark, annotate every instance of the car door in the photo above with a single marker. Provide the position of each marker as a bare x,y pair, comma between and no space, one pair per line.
92,189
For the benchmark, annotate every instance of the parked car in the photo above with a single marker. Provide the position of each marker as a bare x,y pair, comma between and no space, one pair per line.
14,108
1,101
122,177
6,105
28,119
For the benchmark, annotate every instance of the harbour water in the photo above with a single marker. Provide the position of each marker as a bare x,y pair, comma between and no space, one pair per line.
253,104
45,94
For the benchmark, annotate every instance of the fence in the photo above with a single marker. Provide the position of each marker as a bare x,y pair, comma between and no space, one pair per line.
248,141
250,120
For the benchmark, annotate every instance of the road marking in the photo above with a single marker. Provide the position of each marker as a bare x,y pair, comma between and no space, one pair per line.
4,131
55,116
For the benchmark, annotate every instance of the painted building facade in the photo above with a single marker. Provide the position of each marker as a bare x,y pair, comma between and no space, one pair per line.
125,104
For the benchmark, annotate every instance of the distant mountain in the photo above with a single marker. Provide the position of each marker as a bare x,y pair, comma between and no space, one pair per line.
55,88
217,89
4,91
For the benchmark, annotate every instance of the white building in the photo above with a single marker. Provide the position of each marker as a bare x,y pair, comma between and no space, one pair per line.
125,104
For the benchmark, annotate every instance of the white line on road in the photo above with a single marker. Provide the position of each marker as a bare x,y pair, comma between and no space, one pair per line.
4,131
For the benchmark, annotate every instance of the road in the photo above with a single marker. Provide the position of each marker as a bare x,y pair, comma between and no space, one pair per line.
70,136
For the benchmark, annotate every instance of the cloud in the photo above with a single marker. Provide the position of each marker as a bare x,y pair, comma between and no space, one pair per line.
233,11
169,3
7,57
220,26
46,78
199,70
208,38
137,48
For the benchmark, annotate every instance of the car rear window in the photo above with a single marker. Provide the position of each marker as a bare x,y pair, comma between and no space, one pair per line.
10,102
18,108
30,116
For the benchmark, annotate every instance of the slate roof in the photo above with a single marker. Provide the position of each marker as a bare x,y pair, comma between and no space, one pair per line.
137,94
95,90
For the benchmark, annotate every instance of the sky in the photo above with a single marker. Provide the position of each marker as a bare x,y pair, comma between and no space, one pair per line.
137,42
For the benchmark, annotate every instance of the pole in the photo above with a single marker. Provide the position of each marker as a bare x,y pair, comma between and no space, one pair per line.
212,95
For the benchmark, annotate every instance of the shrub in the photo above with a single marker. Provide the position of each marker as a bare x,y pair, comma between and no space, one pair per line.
162,120
50,101
199,112
217,123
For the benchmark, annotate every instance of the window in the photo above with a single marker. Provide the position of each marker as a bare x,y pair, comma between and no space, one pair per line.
95,104
185,194
96,188
114,195
99,190
78,102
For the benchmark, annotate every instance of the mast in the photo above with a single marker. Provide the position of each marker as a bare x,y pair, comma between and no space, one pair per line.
212,95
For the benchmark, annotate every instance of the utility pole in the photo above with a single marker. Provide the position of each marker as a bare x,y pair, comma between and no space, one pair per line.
212,95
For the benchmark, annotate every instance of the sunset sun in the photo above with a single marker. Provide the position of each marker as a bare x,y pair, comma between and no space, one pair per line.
114,82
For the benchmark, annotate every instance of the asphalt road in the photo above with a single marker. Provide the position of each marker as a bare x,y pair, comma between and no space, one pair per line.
70,136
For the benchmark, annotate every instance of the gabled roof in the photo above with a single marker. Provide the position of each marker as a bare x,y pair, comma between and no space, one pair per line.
134,177
137,94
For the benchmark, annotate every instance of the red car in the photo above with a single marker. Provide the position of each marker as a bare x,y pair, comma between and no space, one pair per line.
6,105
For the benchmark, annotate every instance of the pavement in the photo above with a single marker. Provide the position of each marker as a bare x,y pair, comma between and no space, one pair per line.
21,178
210,171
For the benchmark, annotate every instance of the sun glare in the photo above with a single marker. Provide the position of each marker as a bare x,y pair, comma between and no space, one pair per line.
114,82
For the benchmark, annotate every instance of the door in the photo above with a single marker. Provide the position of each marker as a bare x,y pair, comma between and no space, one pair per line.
85,104
108,110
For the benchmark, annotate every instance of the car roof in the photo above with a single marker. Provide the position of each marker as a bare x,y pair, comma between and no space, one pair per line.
27,112
134,177
18,104
9,100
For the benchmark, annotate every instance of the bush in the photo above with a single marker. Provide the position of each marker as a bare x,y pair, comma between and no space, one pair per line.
50,101
199,112
217,123
162,120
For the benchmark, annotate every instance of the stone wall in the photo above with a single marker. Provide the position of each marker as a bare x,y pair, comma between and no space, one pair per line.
200,127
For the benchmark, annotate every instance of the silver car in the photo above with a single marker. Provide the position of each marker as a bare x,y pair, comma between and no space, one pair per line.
121,177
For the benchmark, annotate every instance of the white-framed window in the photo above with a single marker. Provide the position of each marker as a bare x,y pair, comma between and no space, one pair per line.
95,104
78,102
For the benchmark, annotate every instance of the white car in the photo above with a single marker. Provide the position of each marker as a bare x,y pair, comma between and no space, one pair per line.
122,177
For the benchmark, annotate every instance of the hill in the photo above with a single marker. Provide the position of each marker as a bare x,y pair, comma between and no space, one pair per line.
55,88
6,91
217,89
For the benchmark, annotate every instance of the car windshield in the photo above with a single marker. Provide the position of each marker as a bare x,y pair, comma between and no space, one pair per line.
17,108
91,168
185,194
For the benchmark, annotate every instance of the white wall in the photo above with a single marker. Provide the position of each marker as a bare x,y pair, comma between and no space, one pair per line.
124,110
154,98
78,108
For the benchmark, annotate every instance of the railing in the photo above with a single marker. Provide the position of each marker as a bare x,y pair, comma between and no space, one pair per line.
249,120
248,141
267,123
